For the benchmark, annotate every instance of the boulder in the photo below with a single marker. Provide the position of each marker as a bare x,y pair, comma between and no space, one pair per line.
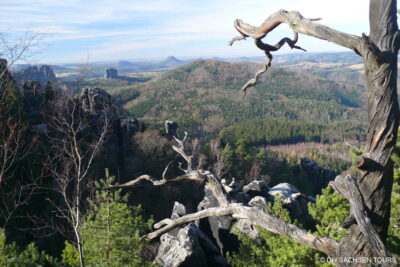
283,191
258,202
293,200
187,246
178,210
257,188
182,249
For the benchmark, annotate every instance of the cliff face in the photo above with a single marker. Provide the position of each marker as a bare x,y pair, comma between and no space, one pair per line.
42,75
97,105
34,104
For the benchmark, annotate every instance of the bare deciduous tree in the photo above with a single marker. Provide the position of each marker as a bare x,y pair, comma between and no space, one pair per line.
75,143
19,47
16,184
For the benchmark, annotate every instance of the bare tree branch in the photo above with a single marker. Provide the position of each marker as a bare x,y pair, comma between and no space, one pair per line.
257,217
193,175
298,24
20,48
74,148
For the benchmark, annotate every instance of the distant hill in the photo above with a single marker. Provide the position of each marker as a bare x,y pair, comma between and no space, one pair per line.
140,66
68,72
172,62
205,94
334,57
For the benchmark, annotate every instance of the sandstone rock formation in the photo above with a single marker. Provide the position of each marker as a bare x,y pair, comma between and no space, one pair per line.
42,75
187,246
207,242
111,73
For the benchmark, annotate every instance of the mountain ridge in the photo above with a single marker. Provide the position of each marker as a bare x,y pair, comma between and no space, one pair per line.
204,89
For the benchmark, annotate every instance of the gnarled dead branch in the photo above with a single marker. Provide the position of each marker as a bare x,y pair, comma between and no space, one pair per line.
298,24
203,176
257,217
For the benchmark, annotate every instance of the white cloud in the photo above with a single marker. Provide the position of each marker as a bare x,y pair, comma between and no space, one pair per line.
124,26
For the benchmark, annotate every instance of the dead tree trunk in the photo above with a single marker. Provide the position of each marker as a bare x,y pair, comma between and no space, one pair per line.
380,61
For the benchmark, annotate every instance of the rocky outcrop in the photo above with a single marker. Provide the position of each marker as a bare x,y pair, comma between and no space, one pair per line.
111,73
42,74
95,100
182,248
128,125
293,200
98,107
187,246
257,188
317,176
34,96
170,128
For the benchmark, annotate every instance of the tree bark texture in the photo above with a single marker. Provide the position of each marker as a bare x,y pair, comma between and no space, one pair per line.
376,179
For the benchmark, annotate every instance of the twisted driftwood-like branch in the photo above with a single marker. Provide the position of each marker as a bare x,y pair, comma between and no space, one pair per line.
194,175
257,217
298,24
202,176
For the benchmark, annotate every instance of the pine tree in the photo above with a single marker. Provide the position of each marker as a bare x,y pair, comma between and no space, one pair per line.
111,232
393,240
329,210
272,249
12,256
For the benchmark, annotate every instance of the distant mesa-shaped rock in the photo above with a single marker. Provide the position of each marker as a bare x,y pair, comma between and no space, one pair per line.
111,73
43,74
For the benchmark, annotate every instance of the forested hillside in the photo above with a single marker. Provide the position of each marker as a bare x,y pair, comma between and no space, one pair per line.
204,96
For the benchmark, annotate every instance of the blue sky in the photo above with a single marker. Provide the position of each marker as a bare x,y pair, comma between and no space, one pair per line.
105,30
